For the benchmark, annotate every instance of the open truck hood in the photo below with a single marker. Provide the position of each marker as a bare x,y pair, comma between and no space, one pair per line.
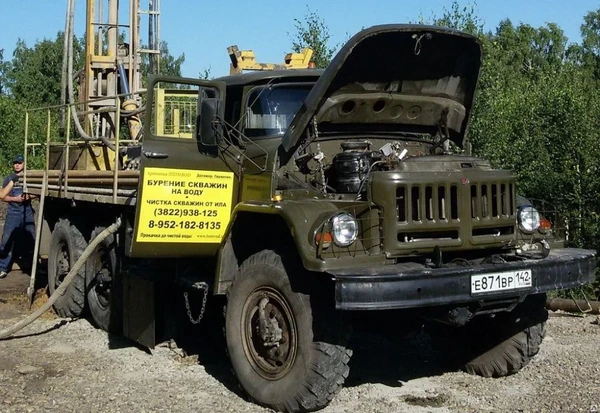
394,78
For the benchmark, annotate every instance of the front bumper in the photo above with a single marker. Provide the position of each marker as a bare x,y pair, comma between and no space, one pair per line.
412,286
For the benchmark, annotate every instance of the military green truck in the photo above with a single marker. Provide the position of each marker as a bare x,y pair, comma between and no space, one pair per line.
307,197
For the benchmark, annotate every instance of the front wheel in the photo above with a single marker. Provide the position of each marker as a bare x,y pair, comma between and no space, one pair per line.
495,347
282,353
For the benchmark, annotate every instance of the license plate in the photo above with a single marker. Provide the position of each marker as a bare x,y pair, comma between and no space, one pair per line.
501,281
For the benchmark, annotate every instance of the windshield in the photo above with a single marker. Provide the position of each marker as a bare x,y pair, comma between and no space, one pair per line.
272,109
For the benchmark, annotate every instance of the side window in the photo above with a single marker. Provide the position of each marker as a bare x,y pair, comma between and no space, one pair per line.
175,109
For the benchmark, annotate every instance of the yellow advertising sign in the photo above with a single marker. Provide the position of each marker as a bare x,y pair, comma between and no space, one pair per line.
181,205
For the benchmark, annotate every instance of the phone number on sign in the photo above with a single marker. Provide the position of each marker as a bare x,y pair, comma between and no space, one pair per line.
184,224
176,212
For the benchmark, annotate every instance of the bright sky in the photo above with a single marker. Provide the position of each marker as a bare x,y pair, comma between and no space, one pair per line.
204,29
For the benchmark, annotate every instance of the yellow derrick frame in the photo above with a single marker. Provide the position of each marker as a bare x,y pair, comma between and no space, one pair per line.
173,107
246,60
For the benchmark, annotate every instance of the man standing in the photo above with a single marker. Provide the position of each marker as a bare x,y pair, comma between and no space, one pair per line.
19,216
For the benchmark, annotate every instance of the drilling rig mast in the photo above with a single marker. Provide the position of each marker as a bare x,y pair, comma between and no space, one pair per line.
113,68
110,84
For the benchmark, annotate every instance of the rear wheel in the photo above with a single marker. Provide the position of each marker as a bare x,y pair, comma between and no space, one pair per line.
103,287
495,347
282,351
66,246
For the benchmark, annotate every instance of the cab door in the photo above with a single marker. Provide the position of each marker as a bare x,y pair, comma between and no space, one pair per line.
186,190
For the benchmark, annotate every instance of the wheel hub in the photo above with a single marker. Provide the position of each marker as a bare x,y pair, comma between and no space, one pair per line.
102,285
63,265
270,333
268,326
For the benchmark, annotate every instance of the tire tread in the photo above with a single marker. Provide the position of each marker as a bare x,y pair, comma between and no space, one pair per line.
72,303
109,320
329,366
523,334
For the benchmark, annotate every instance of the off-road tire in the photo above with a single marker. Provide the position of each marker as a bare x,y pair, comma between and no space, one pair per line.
495,347
105,304
66,242
320,366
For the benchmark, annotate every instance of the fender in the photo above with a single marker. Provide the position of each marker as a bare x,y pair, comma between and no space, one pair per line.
298,218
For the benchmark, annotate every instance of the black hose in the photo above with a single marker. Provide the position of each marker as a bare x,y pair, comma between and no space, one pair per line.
123,79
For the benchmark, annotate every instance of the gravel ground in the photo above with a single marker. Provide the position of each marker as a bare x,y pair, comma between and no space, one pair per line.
55,365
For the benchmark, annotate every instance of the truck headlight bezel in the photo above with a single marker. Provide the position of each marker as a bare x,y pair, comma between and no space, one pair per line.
344,229
529,219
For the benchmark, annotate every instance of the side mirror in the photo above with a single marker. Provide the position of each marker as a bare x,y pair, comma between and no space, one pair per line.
208,127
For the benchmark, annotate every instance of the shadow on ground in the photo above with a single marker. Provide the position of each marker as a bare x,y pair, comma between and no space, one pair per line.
206,342
389,359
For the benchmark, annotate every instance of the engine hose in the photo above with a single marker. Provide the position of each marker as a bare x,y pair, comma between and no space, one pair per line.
7,332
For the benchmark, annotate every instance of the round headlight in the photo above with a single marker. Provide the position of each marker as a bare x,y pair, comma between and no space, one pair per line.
529,218
344,229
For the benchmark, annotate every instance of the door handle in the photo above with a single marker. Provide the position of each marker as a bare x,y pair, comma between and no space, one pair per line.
156,155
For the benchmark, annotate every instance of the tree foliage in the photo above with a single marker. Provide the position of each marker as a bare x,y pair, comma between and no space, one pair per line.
205,74
11,131
2,73
462,18
33,76
312,32
168,64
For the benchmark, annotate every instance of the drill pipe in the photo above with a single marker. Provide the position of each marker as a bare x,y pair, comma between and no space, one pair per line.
573,306
84,174
84,181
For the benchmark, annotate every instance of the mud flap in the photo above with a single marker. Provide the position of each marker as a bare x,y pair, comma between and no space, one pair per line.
139,322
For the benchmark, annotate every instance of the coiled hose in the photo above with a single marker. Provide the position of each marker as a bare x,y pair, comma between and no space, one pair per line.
7,332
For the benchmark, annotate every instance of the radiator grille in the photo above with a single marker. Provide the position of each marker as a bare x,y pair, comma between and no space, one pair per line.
492,200
426,203
432,214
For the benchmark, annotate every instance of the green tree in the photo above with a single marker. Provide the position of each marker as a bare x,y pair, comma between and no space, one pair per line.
33,76
313,32
205,74
588,53
11,132
169,64
2,73
462,18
